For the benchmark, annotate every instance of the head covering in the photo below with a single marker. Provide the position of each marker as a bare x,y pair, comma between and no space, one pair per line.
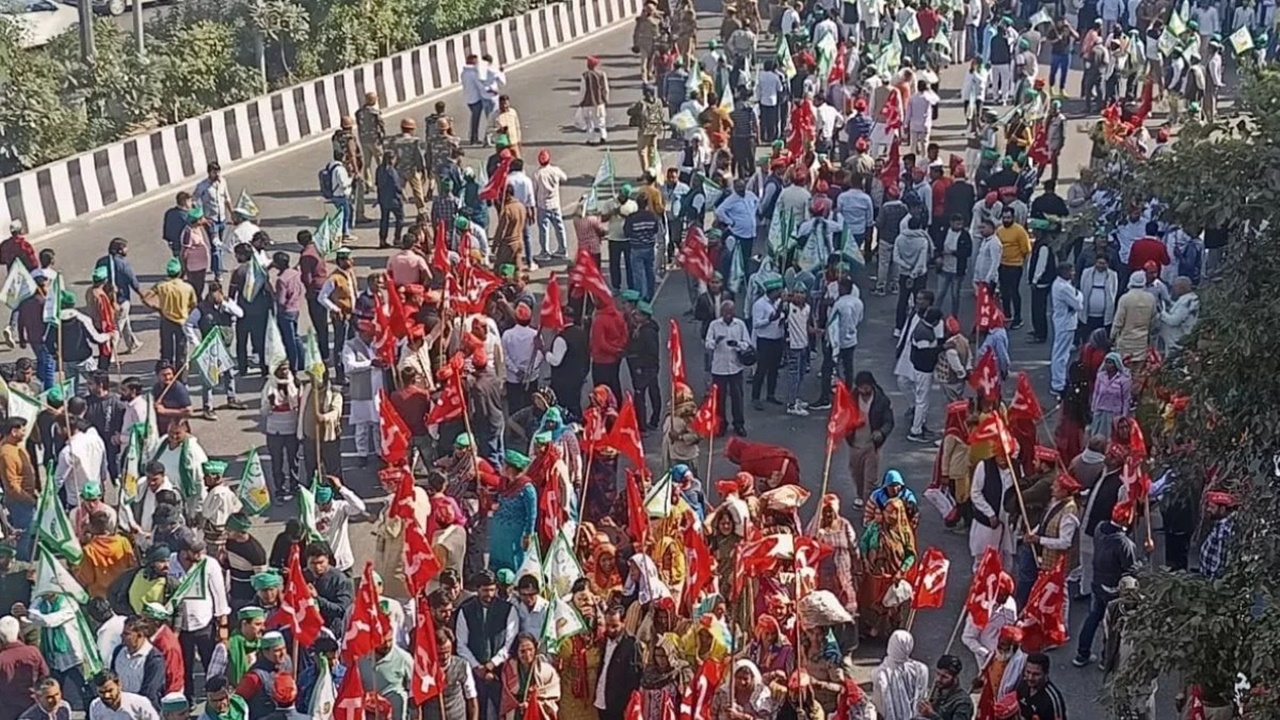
645,308
239,523
1004,584
324,494
174,702
506,576
173,268
270,640
523,313
543,438
250,612
1217,497
462,441
1068,483
344,251
631,296
100,273
92,491
1122,513
593,62
195,213
1137,279
1010,634
516,459
214,467
158,553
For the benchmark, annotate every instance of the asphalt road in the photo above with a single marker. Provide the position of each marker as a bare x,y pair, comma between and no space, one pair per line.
543,91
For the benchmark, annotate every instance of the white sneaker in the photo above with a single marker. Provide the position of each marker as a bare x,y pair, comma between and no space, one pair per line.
897,333
797,411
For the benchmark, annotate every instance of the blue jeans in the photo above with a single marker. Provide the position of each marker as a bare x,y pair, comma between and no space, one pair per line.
343,204
548,217
46,366
227,384
972,35
642,279
1025,574
949,286
1059,63
528,244
288,324
797,367
1097,607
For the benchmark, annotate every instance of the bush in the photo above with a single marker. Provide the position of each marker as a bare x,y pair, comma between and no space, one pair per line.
201,55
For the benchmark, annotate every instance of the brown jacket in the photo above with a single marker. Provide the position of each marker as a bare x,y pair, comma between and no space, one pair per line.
18,474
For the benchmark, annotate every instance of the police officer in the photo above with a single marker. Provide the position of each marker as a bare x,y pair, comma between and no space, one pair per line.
373,131
411,159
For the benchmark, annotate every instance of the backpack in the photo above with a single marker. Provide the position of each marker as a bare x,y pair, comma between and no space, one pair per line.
325,177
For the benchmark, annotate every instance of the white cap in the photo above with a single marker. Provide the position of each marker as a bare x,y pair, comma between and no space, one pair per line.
39,274
15,226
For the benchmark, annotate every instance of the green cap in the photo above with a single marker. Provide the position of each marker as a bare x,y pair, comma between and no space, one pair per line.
54,395
100,273
645,307
502,141
461,223
92,490
543,438
174,702
631,296
239,522
214,467
173,268
1056,104
462,441
67,298
251,612
1007,161
195,213
715,43
266,580
344,251
270,640
324,494
156,611
774,284
625,190
1024,43
778,144
506,576
516,459
507,270
377,577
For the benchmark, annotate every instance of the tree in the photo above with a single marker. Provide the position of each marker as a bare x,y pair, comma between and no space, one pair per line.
1227,436
36,125
118,90
283,23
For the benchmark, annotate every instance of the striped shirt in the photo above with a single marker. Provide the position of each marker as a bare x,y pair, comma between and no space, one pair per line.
745,125
1044,704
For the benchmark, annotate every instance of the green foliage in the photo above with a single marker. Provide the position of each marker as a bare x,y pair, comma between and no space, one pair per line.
200,55
1205,632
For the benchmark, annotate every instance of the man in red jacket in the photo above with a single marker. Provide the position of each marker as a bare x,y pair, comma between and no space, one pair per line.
607,343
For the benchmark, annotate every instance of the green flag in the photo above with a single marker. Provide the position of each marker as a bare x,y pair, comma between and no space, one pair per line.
53,301
18,286
274,352
131,468
25,407
657,502
326,235
53,527
211,359
532,564
312,358
563,622
194,586
560,568
53,577
254,280
786,63
253,486
245,206
307,513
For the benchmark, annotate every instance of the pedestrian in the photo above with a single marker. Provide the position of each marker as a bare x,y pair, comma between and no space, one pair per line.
1067,306
547,180
363,368
768,330
389,186
728,342
593,103
175,300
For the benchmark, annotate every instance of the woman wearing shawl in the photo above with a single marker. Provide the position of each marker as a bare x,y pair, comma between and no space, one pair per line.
602,571
728,531
450,538
557,501
664,679
824,663
892,487
1112,391
680,444
641,591
565,439
1068,436
708,641
770,650
602,474
579,661
840,570
744,692
529,679
889,547
951,466
514,521
668,549
1092,353
900,683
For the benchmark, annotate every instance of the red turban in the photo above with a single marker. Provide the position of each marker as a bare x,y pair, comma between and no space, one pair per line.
1068,483
593,62
1122,513
523,313
1004,585
860,104
1217,497
952,325
861,144
1011,634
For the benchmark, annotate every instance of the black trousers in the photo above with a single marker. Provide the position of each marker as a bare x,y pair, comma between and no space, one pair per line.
1086,329
319,315
770,123
251,328
284,461
477,111
517,397
731,397
1010,299
743,151
619,256
829,368
330,457
339,339
608,374
1040,312
768,362
201,641
173,343
648,396
568,392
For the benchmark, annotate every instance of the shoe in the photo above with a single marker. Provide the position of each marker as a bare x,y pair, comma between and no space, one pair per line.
1016,324
740,431
774,401
542,257
757,405
236,405
533,266
878,291
286,496
858,503
797,411
209,415
559,255
821,405
1082,661
897,333
920,438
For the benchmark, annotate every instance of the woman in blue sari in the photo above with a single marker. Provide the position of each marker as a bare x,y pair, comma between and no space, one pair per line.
512,527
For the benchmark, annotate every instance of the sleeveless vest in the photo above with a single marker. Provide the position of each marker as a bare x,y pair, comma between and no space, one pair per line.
1050,527
261,704
593,88
487,627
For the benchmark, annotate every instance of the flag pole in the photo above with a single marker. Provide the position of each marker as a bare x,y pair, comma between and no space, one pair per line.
1017,490
315,409
826,470
711,454
964,612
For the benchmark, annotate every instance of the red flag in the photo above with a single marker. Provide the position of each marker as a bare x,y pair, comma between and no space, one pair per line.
699,577
1025,403
693,256
586,274
637,518
368,625
1039,152
551,315
593,429
492,192
471,292
384,340
1137,481
983,588
1137,441
851,699
845,416
928,579
399,317
985,378
546,478
892,165
420,562
756,557
625,435
809,553
992,429
635,707
451,402
297,604
695,704
349,702
533,709
1195,700
706,422
676,350
891,114
440,249
1044,608
987,310
428,674
395,433
403,501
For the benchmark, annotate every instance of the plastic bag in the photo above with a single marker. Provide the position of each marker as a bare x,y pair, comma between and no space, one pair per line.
897,594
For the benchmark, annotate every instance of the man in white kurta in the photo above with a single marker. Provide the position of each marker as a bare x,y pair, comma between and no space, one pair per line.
333,520
183,461
81,460
982,641
364,375
991,480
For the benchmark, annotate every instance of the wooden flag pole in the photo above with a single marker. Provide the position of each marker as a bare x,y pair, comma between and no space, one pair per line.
1022,507
711,454
964,612
826,470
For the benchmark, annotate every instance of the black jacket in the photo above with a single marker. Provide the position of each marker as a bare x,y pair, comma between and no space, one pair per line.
1114,555
334,595
622,676
879,416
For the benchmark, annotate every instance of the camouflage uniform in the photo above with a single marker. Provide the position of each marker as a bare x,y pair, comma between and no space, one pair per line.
372,132
650,119
685,29
643,41
412,163
430,132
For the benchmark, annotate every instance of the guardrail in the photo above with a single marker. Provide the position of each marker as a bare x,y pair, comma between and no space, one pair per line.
68,189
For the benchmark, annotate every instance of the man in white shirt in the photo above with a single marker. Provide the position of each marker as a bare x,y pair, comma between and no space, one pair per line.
986,265
1004,611
798,337
341,185
827,121
547,180
522,358
770,86
840,336
727,336
333,518
83,458
919,120
472,80
113,703
768,327
137,663
201,618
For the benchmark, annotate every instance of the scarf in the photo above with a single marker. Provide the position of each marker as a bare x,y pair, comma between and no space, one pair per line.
188,483
54,640
238,651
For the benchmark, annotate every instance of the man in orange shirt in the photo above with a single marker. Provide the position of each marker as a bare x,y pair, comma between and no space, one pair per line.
107,554
18,475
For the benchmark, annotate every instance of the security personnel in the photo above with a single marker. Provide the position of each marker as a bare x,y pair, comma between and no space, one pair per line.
373,131
411,159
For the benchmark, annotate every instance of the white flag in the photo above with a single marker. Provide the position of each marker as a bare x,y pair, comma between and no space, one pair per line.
563,622
276,356
657,502
194,586
532,564
211,359
26,407
325,695
253,486
53,527
560,568
53,577
18,286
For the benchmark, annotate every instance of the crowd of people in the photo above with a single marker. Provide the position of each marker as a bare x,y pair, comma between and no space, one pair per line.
529,561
